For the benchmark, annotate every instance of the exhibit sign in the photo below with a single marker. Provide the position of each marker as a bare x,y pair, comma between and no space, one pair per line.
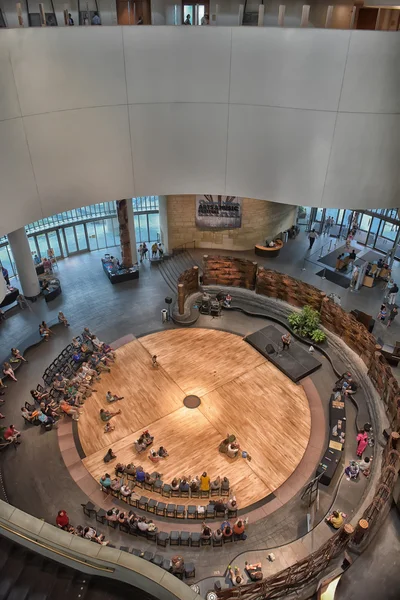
221,212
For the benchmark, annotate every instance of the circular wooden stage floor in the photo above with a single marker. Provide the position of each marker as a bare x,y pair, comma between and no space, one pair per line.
241,393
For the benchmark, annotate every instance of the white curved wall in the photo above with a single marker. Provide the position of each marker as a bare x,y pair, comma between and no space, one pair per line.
289,115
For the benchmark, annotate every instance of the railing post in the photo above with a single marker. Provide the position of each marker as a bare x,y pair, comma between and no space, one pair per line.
305,14
281,15
181,298
240,16
329,15
261,10
42,15
360,531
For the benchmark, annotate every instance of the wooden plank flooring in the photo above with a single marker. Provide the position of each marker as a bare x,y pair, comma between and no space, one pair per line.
241,393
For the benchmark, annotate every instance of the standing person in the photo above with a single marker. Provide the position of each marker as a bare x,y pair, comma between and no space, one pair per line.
145,250
154,250
392,315
5,274
141,252
312,236
393,293
70,20
63,319
352,257
286,341
205,20
160,250
362,440
96,19
140,21
354,277
187,21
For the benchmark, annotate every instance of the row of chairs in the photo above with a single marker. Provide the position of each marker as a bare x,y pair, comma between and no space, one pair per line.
176,511
160,561
164,489
162,538
63,364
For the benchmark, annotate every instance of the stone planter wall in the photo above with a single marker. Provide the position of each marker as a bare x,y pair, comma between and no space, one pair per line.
228,271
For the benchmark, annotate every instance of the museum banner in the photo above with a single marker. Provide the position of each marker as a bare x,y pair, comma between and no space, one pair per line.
222,212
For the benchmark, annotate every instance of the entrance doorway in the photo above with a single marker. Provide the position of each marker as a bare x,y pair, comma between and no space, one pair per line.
196,11
129,11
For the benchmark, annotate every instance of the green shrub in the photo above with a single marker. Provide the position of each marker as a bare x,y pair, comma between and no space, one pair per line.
318,336
306,324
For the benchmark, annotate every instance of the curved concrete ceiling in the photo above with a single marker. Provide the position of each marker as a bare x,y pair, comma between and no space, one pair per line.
295,116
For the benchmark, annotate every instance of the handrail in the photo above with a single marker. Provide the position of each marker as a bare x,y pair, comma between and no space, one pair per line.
184,246
55,551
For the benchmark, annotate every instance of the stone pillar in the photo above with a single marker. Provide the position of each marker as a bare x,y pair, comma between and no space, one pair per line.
361,530
162,200
127,232
181,298
3,288
23,259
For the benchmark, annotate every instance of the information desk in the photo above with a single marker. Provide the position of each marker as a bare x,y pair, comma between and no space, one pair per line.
267,251
10,297
116,274
332,455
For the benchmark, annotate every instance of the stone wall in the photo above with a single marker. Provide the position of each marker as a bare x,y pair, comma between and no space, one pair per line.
224,270
188,283
260,220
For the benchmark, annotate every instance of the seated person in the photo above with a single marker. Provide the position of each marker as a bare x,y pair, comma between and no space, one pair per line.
217,535
335,519
175,485
87,334
226,530
76,344
184,486
219,505
79,531
122,518
112,515
62,520
8,370
46,328
140,445
109,456
206,532
108,428
254,571
215,485
113,397
12,435
116,484
223,447
178,565
352,470
17,354
147,437
272,244
140,475
108,351
195,484
153,456
235,575
239,528
105,481
63,319
142,524
351,388
205,482
365,466
232,450
130,469
150,479
225,484
125,490
45,419
106,415
28,415
69,410
162,453
232,504
344,378
228,300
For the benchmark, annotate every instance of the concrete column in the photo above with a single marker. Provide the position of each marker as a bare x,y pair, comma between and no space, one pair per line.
163,203
305,15
281,15
3,288
127,232
23,260
240,16
261,9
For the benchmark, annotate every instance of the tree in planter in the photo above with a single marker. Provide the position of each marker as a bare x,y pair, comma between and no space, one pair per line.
306,324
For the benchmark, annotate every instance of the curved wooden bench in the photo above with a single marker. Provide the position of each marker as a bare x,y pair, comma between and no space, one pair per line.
269,252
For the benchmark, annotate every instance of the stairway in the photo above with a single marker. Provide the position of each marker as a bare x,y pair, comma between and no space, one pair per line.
25,575
172,266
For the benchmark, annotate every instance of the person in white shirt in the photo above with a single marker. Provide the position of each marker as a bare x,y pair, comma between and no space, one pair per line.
142,525
96,19
205,20
312,236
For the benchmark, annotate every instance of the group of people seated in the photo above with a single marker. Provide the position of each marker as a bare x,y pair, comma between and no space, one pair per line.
346,385
254,573
226,530
143,442
89,533
131,519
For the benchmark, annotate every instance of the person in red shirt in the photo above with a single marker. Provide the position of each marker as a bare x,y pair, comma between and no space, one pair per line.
62,520
12,435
